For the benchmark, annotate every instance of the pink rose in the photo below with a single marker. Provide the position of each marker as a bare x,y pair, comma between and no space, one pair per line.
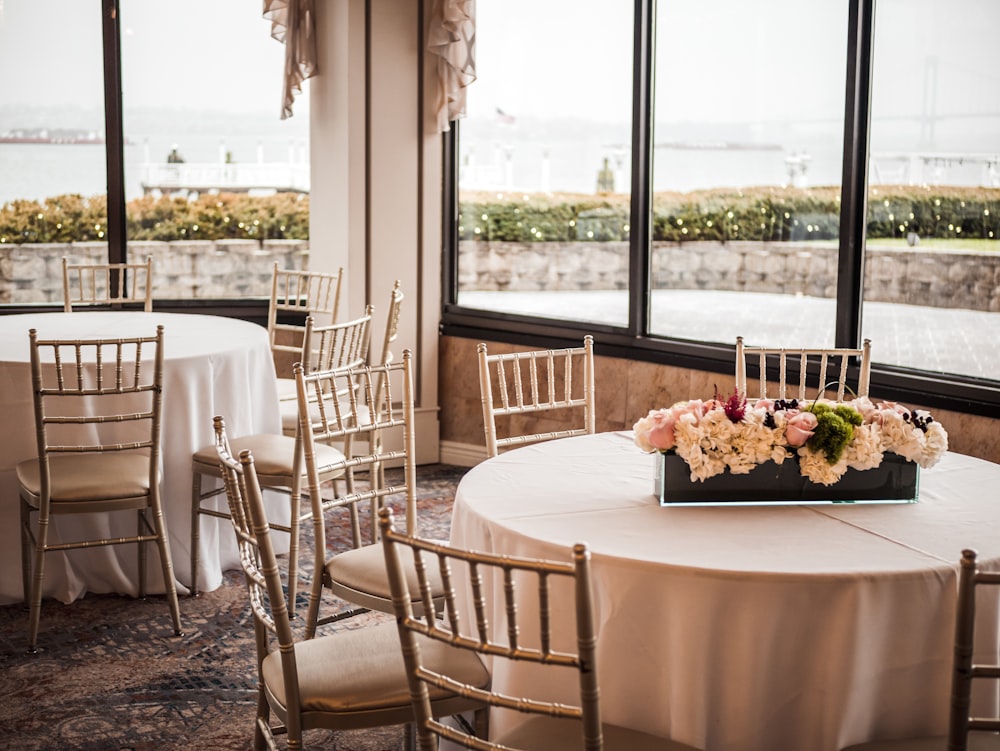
661,429
766,405
799,427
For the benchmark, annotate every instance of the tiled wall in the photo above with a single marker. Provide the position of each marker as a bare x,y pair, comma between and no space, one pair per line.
626,390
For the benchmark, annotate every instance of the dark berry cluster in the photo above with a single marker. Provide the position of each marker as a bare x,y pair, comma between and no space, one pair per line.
918,421
781,405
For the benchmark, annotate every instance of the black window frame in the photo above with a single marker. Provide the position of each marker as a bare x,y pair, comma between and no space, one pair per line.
249,309
957,393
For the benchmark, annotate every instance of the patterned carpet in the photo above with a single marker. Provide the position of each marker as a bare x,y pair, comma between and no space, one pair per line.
111,676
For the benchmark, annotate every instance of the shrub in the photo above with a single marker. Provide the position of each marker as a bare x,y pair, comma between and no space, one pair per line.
73,218
761,214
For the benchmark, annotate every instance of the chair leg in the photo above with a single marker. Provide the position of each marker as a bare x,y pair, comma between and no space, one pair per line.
293,548
25,552
38,575
315,596
195,532
141,527
170,586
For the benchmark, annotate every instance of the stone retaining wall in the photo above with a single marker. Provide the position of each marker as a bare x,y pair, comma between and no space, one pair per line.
32,273
938,278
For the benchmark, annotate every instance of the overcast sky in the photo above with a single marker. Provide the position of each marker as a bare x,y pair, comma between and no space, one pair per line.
719,60
189,54
726,60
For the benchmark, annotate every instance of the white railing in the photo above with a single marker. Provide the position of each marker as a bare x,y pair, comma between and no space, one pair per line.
207,177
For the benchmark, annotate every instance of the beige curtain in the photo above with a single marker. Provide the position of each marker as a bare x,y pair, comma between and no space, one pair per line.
293,22
452,37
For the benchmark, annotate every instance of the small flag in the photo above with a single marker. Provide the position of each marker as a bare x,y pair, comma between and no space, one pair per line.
505,118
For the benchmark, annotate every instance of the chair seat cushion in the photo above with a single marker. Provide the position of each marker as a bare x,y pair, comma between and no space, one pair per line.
273,455
88,477
363,669
561,734
363,570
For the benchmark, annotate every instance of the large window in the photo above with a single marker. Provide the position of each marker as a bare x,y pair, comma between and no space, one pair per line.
134,129
545,161
932,271
52,146
798,174
742,140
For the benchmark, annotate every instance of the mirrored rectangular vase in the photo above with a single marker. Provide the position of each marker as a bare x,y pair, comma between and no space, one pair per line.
895,480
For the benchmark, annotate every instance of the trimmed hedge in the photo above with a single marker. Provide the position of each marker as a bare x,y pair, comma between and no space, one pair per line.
73,218
762,214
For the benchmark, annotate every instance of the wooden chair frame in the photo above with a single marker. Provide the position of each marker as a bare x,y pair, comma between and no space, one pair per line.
299,294
112,284
325,417
83,388
526,383
301,682
282,469
335,346
536,646
812,367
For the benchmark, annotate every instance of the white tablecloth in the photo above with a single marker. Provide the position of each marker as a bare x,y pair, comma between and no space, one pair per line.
212,365
746,628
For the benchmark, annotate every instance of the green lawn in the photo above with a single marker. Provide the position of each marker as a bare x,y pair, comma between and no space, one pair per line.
938,243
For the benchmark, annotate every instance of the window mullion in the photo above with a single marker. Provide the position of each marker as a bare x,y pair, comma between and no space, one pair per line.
114,138
854,185
642,168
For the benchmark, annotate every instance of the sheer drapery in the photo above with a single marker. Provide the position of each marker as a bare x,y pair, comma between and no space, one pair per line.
452,37
293,22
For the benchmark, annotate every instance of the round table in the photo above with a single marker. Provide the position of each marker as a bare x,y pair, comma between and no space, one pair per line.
746,628
212,365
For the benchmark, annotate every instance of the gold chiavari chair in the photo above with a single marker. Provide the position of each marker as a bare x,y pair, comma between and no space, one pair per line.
98,411
531,386
523,585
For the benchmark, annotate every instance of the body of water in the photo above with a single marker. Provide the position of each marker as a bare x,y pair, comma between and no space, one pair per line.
38,171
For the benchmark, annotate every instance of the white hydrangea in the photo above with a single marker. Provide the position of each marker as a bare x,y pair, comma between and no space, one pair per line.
813,464
865,450
935,445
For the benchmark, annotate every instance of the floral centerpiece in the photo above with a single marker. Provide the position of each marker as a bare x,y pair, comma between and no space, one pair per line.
823,440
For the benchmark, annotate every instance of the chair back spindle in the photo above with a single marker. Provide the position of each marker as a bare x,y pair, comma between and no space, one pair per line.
526,385
525,586
107,284
817,370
